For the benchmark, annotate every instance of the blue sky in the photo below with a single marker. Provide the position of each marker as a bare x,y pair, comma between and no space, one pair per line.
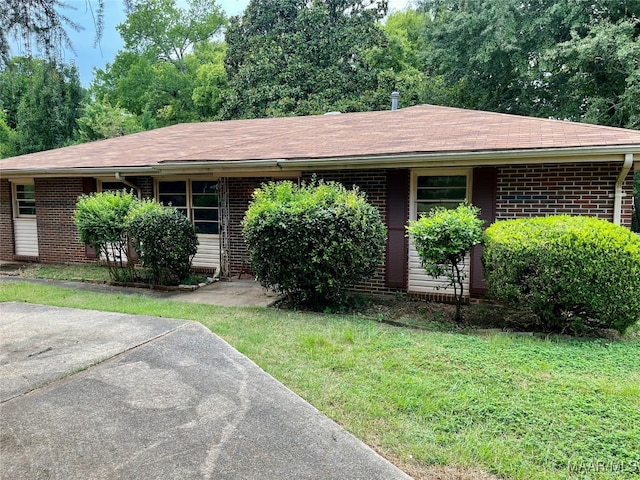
87,56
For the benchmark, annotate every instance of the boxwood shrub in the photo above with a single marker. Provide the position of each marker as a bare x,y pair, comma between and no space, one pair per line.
313,242
164,240
576,274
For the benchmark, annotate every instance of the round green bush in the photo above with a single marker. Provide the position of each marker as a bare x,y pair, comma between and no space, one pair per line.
576,274
313,242
164,240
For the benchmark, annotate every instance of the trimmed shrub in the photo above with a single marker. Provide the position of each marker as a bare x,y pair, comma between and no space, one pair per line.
313,242
576,274
443,238
101,222
164,240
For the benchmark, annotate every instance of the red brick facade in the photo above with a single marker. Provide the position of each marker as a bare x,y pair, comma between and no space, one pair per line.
239,194
58,239
521,191
572,189
6,221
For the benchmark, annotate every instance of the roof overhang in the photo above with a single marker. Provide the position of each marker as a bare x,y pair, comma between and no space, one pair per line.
262,167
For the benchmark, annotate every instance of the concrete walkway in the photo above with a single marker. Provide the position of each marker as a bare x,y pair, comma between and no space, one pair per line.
95,395
244,292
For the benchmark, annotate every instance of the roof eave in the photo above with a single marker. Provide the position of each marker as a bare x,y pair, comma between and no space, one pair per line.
402,160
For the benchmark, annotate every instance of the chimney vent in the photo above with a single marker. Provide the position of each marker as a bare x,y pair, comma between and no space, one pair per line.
394,100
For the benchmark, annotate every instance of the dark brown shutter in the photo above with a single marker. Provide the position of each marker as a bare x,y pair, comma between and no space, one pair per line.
89,186
483,197
397,216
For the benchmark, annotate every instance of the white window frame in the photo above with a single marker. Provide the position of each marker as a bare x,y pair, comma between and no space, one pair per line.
436,172
16,202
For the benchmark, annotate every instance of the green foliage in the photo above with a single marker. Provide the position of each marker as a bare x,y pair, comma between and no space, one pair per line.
101,120
164,240
160,29
292,57
101,219
571,60
443,239
41,102
635,221
576,274
171,69
313,242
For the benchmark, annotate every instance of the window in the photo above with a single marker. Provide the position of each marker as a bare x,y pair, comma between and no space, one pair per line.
447,191
204,206
197,199
25,200
173,194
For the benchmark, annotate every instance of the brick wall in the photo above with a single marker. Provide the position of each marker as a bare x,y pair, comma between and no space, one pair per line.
145,184
573,189
6,221
58,237
240,191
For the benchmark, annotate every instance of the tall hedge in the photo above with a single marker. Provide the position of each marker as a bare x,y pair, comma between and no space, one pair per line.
576,274
313,242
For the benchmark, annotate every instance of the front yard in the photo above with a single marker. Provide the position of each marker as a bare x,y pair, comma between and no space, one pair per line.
517,406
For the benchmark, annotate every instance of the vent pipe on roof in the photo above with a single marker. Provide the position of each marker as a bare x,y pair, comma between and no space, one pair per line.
394,100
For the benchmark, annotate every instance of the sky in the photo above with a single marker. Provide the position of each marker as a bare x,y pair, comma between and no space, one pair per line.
88,56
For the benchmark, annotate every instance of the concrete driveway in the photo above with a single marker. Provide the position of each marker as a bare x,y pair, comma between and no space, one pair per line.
95,395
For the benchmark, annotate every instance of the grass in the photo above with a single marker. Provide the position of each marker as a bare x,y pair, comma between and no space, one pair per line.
517,406
74,272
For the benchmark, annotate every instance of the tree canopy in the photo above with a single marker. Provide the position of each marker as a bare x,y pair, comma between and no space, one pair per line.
572,60
294,57
41,101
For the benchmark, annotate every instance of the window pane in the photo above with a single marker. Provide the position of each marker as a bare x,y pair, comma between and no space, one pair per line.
442,193
172,187
26,191
209,214
443,181
205,200
26,210
26,199
207,228
174,200
424,208
204,187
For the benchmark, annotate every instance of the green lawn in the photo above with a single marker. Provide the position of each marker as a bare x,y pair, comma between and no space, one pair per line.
520,407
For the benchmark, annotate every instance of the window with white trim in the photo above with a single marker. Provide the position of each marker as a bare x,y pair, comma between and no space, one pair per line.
197,199
25,200
433,191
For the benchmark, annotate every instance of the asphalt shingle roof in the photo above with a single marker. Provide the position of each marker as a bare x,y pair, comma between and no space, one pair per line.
424,129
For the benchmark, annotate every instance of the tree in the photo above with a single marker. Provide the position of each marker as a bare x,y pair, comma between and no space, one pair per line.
170,70
36,23
100,120
571,60
161,30
443,239
41,101
293,57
